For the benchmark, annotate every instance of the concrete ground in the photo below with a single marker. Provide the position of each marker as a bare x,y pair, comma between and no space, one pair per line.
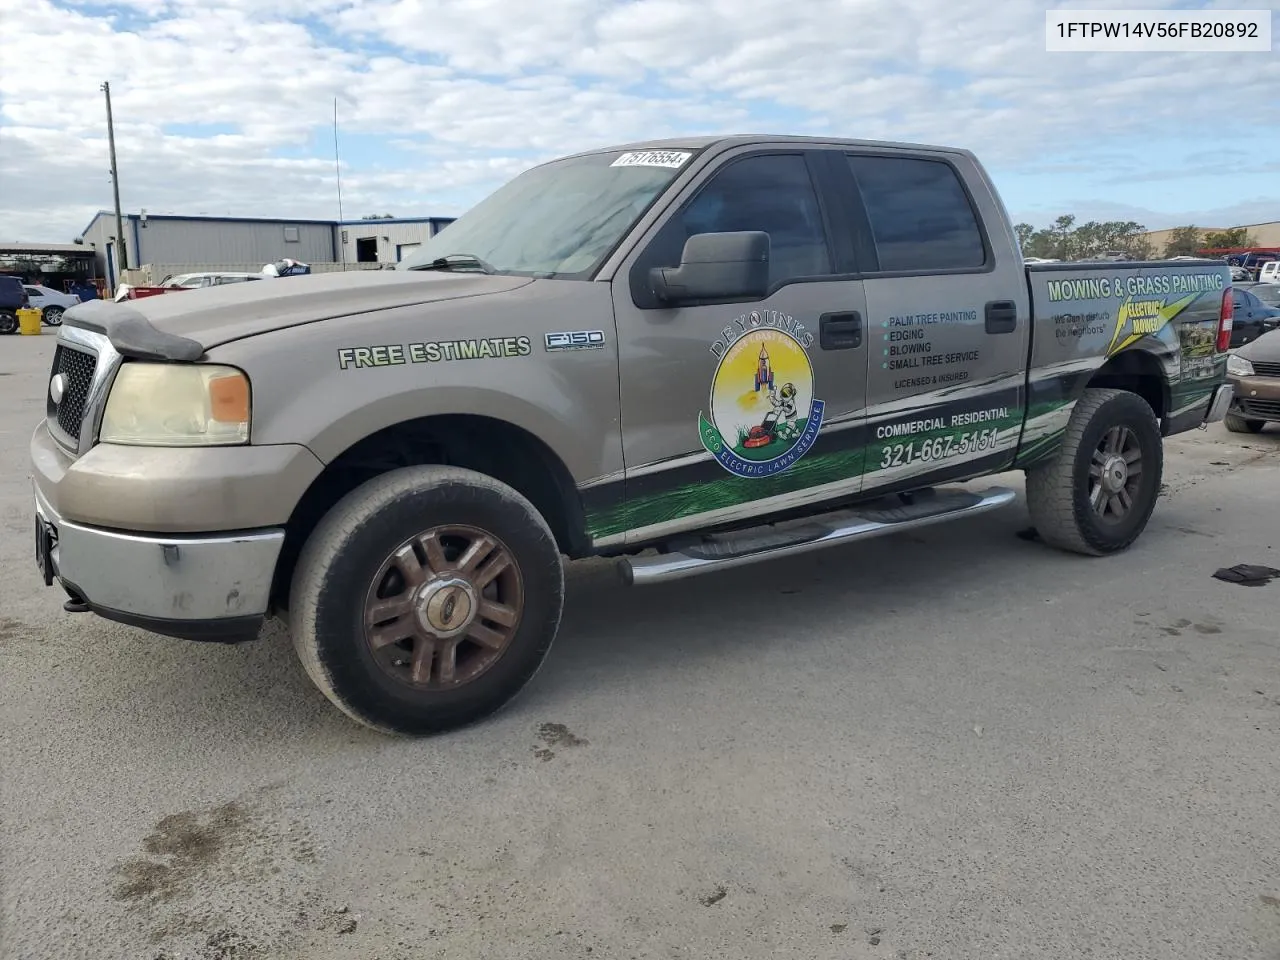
952,744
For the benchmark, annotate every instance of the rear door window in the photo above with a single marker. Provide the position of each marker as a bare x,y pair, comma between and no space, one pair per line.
921,217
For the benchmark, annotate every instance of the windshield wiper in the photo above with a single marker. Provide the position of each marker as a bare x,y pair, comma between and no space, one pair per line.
452,260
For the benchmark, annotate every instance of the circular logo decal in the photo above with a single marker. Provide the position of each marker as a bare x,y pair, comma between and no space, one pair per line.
763,412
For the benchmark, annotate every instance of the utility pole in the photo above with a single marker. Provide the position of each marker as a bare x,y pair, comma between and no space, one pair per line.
337,172
122,261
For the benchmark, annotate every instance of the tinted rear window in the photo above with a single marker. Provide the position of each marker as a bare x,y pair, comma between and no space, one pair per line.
921,218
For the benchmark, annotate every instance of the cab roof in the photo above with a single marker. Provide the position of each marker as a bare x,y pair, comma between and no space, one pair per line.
745,139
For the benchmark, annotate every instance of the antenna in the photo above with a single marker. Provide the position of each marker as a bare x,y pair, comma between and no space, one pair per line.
337,170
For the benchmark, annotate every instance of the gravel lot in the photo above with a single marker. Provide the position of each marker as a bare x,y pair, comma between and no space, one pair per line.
952,744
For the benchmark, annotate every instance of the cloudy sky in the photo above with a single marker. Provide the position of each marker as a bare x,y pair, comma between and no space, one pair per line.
225,107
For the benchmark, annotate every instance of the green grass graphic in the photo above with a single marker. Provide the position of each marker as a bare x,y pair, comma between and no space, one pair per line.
812,470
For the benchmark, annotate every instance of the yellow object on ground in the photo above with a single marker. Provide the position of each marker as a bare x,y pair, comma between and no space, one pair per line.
29,322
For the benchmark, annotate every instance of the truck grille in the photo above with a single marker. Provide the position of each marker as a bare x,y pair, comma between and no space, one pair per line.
1266,368
77,368
1260,409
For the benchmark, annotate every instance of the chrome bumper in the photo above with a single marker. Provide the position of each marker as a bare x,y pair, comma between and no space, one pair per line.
1221,401
213,587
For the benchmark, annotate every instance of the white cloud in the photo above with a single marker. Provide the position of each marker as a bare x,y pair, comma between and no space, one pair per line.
468,92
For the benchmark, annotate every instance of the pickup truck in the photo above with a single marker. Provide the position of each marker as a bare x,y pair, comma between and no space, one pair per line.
686,355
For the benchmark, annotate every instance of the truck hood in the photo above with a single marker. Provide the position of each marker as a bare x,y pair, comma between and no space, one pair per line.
184,324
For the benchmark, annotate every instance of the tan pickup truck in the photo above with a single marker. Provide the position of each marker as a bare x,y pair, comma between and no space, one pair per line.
688,355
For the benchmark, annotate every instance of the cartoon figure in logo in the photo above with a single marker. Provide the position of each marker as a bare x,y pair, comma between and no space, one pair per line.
784,410
764,415
779,423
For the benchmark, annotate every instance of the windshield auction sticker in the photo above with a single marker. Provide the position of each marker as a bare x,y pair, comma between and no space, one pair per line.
653,158
764,415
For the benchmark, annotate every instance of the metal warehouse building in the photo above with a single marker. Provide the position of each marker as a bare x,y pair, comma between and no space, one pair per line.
166,244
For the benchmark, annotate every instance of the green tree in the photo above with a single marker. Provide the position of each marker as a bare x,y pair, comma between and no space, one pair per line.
1024,232
1235,237
1184,242
1064,240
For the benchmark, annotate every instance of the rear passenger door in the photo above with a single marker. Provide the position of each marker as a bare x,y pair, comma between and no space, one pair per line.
948,318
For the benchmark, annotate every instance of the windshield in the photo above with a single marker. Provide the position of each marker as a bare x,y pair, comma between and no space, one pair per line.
1268,293
560,219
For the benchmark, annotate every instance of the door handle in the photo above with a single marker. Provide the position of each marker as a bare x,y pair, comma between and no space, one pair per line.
840,331
1001,316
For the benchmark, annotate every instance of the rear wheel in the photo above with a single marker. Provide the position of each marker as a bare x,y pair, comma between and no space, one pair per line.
8,322
1240,425
426,599
53,316
1096,496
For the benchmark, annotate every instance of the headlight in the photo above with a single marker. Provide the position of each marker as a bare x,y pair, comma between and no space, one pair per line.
1239,366
177,405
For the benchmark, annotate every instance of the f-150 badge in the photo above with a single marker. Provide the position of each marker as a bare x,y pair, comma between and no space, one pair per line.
763,413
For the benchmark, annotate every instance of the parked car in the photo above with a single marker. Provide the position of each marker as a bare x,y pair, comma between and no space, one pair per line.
1270,272
1268,293
1252,318
50,302
1254,372
13,297
730,349
1251,264
186,281
190,281
127,291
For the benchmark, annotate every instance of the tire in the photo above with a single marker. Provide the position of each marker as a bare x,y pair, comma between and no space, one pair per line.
8,322
52,316
399,677
1060,491
1237,424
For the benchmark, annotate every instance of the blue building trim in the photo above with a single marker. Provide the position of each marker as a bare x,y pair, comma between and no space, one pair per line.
437,224
359,223
100,213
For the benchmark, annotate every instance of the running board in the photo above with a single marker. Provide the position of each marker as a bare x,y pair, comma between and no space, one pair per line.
691,556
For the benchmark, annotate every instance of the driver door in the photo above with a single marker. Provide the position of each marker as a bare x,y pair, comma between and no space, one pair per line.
746,407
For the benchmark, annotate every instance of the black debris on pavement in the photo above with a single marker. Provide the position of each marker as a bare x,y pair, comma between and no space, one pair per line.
1247,574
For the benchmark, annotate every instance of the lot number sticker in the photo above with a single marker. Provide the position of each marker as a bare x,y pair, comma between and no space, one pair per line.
653,158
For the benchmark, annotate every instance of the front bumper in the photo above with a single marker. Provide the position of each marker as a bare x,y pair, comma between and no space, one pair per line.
1256,398
196,587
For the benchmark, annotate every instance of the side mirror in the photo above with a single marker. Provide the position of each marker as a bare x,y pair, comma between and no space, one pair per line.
716,266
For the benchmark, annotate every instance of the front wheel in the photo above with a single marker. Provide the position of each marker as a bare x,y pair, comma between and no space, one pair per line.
8,322
52,316
426,599
1240,425
1096,496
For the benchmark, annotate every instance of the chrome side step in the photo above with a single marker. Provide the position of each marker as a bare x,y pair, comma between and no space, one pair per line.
692,556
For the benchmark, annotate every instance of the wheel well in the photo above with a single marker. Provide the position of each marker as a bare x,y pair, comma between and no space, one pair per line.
493,447
1138,372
